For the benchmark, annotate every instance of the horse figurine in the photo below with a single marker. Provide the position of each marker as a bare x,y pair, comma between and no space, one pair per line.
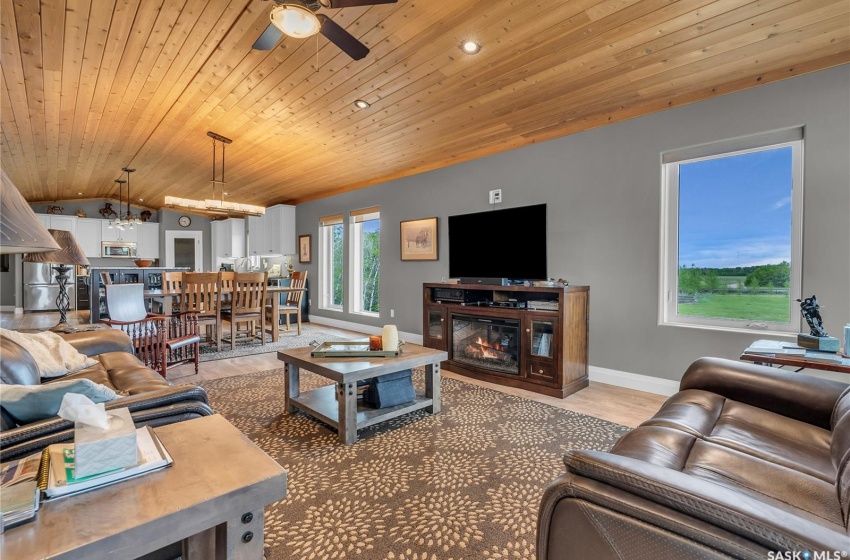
146,215
55,209
107,211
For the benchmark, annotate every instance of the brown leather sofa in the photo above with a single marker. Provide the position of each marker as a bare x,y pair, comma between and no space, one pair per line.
150,398
743,461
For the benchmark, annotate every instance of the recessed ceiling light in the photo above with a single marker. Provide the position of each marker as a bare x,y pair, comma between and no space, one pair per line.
470,47
360,104
79,193
141,200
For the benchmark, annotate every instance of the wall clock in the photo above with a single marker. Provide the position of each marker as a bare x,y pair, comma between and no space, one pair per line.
184,221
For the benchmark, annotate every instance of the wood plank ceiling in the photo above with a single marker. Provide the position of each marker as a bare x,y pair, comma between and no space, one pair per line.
91,86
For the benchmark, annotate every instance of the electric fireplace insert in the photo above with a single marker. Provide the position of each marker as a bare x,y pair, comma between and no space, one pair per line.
487,343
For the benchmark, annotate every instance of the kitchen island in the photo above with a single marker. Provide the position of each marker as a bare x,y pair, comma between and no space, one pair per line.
151,277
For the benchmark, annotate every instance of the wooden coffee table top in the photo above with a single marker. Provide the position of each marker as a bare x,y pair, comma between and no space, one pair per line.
218,474
344,370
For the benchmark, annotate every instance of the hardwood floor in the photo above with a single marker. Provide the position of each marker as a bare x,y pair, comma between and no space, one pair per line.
616,404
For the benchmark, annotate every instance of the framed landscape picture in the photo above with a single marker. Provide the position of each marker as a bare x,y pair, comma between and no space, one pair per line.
304,248
419,240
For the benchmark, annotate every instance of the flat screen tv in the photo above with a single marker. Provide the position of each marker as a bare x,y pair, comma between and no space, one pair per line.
508,243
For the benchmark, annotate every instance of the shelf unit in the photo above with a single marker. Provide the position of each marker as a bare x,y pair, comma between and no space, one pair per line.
553,342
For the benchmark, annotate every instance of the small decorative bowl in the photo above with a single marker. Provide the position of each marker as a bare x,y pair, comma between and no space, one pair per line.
143,263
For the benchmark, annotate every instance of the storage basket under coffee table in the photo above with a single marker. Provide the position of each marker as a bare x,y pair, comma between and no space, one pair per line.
337,406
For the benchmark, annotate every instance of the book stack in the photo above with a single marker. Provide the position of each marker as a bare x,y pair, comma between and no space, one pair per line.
19,492
50,474
57,478
18,503
775,348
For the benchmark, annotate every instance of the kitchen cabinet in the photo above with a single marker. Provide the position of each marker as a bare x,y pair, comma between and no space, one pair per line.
147,244
115,234
63,223
89,236
228,238
273,233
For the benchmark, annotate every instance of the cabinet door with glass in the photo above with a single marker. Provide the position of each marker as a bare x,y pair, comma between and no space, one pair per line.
542,346
435,332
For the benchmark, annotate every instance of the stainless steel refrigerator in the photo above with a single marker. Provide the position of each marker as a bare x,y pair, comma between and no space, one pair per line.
41,288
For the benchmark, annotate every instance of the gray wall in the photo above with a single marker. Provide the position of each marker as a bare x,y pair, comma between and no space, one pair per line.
168,220
603,191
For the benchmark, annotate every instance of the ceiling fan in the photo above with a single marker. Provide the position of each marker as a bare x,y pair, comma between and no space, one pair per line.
297,18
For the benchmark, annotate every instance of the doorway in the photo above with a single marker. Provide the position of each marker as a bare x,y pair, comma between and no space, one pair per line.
185,248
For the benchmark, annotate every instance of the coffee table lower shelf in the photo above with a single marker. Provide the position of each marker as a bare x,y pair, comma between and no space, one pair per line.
322,404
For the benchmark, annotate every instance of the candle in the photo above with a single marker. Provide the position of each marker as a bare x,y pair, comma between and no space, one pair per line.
389,336
375,343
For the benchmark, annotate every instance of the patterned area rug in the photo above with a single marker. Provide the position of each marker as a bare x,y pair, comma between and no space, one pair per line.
288,339
465,483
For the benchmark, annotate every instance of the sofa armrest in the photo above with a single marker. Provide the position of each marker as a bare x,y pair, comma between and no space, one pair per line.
135,403
798,396
739,514
153,417
92,343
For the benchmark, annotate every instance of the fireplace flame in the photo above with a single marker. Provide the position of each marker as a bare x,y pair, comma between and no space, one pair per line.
496,345
484,349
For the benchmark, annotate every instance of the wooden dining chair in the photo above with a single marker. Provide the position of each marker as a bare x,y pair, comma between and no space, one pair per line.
159,341
200,294
171,282
247,303
293,299
227,288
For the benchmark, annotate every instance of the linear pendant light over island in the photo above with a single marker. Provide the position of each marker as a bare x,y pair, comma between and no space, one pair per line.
211,205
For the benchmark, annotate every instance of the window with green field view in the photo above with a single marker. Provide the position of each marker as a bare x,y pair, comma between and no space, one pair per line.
733,228
331,269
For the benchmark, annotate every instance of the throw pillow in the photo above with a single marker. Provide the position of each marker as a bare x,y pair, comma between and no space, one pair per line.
28,403
54,355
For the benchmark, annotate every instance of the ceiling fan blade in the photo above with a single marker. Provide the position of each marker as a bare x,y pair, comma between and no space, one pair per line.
342,38
354,3
268,39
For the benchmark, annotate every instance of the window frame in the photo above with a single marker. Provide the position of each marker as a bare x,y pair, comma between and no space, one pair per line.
669,250
326,285
355,255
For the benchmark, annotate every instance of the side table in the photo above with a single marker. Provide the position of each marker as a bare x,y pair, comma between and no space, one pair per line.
211,499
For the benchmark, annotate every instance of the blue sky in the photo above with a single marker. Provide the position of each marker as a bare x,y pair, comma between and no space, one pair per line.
736,211
371,226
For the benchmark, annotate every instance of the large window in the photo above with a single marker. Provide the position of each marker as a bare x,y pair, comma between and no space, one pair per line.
331,268
732,233
365,261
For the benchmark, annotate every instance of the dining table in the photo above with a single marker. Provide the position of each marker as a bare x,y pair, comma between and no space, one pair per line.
272,293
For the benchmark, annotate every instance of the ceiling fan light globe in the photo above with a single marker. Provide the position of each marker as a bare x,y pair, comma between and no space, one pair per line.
295,21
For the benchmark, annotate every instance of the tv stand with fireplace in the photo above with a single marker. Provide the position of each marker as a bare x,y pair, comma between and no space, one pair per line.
529,337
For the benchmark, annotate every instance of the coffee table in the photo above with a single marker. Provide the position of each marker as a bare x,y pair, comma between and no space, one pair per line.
336,405
211,499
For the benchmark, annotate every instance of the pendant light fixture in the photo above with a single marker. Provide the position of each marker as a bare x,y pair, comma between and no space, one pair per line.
128,220
213,205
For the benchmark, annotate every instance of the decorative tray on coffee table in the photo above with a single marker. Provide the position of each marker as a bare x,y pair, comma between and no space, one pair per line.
350,349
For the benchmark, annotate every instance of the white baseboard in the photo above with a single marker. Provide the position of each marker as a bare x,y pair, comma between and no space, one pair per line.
8,308
635,381
368,329
625,379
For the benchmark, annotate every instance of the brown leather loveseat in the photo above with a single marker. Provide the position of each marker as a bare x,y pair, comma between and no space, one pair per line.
745,461
150,398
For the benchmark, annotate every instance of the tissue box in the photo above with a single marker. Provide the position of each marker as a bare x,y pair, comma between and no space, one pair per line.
97,451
